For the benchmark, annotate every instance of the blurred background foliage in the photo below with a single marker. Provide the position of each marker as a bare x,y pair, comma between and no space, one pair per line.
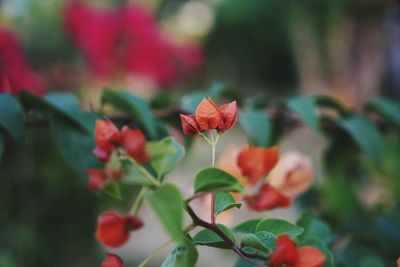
268,49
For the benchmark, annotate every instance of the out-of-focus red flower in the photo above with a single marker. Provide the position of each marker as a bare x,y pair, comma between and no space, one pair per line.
310,257
285,253
256,162
114,174
398,262
107,136
207,115
134,142
15,73
101,154
228,116
267,198
96,179
189,124
112,260
113,230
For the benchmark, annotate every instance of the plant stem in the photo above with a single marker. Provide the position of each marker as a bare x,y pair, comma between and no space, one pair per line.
214,144
213,227
136,205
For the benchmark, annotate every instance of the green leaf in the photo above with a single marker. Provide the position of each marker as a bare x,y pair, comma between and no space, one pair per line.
12,117
213,179
365,134
304,107
184,255
257,126
167,202
242,263
330,102
133,105
262,240
135,174
75,145
224,201
113,189
190,101
246,227
371,261
387,108
220,89
313,228
165,155
279,227
208,238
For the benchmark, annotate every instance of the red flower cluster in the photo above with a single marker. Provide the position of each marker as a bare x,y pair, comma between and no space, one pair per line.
129,39
112,260
255,163
107,139
286,253
208,116
15,73
113,230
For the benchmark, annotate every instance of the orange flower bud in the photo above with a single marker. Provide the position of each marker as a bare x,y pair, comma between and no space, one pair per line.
310,257
229,115
256,162
207,115
285,253
106,136
112,260
96,179
113,230
267,198
189,124
134,142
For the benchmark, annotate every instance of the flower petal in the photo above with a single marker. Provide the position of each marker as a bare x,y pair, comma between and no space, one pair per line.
266,199
310,257
207,115
285,252
189,124
112,260
228,116
134,142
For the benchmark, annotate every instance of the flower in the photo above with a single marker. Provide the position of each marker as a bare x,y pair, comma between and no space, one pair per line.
207,115
96,179
229,115
310,257
107,137
189,124
267,198
134,142
285,253
112,260
113,230
256,162
293,174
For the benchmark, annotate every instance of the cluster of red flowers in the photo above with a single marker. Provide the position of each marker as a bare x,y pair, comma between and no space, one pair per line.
286,253
208,116
107,139
15,73
113,229
255,163
128,37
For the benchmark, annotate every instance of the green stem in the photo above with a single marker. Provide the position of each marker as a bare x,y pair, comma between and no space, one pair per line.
138,201
213,148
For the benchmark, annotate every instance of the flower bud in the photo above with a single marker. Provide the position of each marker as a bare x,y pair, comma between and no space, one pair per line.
207,115
112,260
113,230
256,162
96,179
267,198
101,154
107,136
229,115
285,253
310,257
189,124
134,142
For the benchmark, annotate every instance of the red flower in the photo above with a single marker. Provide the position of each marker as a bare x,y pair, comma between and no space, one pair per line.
112,260
228,116
310,257
134,142
107,136
256,162
285,253
207,115
96,179
101,154
189,124
113,230
266,199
